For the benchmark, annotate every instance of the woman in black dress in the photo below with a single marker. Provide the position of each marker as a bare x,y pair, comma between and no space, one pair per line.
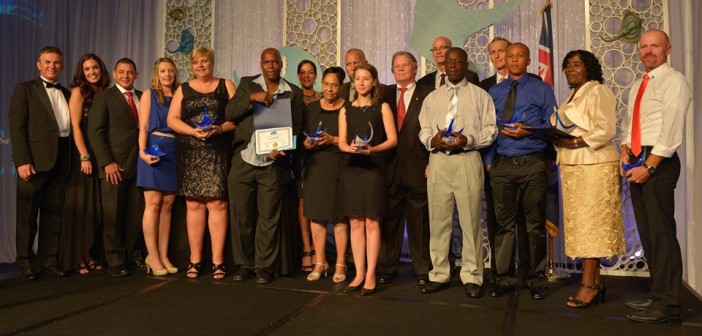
321,174
202,157
82,214
366,128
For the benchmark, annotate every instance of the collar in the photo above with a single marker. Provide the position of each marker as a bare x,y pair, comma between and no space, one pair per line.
282,85
408,87
123,90
498,76
47,81
461,84
658,71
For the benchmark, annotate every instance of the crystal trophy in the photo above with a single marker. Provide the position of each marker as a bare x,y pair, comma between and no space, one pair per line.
206,121
313,138
362,143
155,149
447,135
638,163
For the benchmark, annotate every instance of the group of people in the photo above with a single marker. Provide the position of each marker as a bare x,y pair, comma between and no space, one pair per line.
369,158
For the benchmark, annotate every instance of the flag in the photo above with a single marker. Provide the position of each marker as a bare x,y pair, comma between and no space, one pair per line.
546,46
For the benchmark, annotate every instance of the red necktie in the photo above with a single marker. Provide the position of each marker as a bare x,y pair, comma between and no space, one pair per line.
132,106
401,110
636,119
443,80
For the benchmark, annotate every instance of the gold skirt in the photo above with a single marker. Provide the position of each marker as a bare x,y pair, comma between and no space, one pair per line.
592,210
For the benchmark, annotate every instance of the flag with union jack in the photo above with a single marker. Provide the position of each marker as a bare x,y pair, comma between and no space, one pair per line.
546,46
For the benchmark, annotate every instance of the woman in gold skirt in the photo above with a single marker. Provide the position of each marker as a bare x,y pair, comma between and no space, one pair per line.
589,166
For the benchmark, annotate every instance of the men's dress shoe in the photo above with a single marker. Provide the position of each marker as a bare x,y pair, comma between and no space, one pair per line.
422,279
655,315
29,274
432,287
53,271
119,271
538,292
386,278
264,276
242,274
473,290
499,289
140,265
640,304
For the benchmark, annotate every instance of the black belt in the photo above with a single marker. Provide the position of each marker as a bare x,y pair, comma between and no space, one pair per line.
459,151
519,160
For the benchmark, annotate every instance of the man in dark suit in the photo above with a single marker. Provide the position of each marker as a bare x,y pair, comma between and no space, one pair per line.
407,183
256,182
113,131
39,130
354,57
438,78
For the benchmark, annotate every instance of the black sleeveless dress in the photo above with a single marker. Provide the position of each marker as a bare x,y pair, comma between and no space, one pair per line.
202,166
362,177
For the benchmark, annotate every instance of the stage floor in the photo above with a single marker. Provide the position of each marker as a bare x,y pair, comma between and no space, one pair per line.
98,304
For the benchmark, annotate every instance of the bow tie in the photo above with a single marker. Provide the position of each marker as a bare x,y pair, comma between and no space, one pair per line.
52,85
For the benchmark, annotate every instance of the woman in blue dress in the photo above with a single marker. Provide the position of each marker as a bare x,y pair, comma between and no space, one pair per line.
156,170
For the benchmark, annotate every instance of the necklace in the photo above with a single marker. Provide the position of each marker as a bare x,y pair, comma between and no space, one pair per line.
364,108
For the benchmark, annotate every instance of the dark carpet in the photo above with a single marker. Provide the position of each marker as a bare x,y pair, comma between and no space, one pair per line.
98,304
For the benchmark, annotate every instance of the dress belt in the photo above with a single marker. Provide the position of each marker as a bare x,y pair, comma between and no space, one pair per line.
163,134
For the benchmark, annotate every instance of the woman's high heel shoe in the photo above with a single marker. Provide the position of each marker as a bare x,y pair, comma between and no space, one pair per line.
350,288
218,271
193,270
307,268
367,291
314,276
172,269
156,272
600,290
339,277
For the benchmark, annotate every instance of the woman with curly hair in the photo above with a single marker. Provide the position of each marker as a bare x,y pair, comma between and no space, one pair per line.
589,165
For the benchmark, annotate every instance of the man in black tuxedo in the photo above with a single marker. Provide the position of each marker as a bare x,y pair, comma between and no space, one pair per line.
407,183
256,182
438,78
39,130
113,131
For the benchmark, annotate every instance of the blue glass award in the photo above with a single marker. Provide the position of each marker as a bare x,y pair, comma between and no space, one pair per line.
155,149
205,120
638,163
447,135
362,143
312,138
517,118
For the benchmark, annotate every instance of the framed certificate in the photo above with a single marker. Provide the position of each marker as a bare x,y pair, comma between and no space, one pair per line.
279,138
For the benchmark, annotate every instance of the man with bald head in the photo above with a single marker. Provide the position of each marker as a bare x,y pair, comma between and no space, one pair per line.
652,131
256,182
438,78
354,58
517,170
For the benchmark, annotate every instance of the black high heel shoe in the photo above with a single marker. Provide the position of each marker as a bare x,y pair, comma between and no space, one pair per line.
350,288
193,270
367,291
218,271
600,290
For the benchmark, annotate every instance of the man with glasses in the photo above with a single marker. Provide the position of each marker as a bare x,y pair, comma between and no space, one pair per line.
438,78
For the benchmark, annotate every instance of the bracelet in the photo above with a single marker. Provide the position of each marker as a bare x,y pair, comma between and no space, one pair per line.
575,142
85,158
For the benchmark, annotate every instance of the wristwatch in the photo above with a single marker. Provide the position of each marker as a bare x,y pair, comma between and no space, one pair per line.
85,158
649,169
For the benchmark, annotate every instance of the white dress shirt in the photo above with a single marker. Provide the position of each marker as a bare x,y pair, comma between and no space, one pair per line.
134,95
437,80
663,111
408,95
60,109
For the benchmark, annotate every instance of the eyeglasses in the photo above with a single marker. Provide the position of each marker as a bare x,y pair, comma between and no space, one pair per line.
441,47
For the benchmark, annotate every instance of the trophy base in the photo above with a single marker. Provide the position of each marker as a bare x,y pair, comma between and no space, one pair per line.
449,140
361,148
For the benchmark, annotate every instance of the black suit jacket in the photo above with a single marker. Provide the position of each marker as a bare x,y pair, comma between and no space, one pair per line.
430,79
113,132
409,159
33,127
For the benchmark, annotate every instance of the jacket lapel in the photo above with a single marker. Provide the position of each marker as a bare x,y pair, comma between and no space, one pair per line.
40,91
